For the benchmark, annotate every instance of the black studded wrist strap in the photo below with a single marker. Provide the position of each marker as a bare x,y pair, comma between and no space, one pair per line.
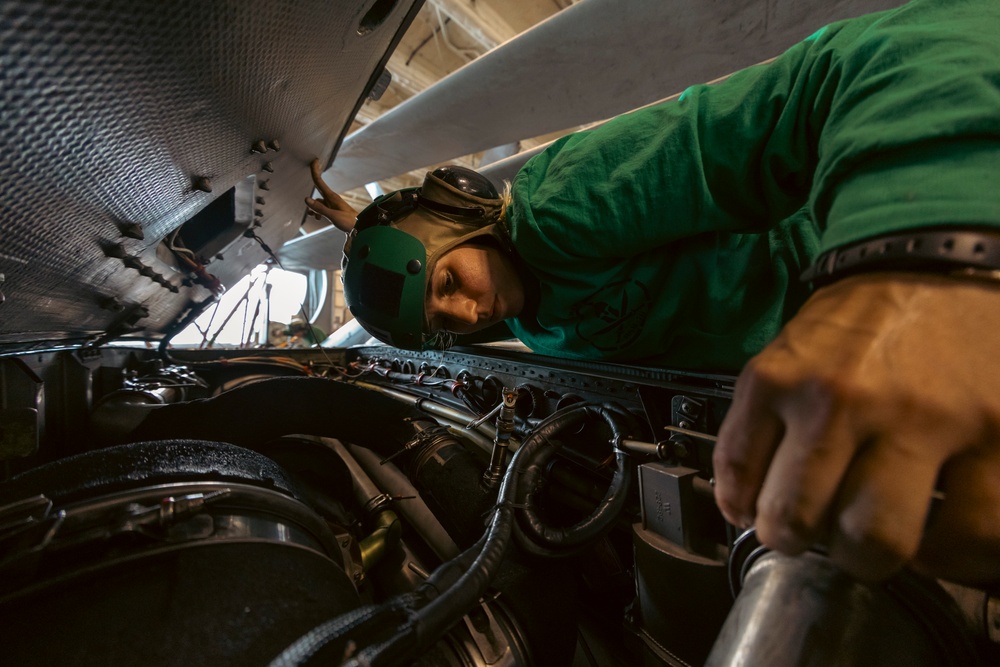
962,251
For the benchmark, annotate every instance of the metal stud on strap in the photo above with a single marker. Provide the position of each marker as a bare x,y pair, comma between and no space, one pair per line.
938,250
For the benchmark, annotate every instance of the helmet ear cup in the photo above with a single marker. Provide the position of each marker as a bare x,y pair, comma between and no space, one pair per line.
468,181
384,283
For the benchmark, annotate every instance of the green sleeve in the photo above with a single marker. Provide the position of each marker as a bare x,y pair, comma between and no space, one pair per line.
886,122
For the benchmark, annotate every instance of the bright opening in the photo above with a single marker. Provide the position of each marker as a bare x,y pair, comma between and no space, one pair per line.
241,317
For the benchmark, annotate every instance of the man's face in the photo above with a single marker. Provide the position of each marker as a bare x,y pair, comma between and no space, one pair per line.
472,287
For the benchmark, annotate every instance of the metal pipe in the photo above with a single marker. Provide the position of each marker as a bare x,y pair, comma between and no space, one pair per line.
386,532
433,408
413,509
803,610
505,426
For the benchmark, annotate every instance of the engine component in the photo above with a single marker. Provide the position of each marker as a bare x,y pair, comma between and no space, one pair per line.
827,617
164,553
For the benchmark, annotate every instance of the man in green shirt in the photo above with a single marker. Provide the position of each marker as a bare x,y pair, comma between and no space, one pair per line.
868,155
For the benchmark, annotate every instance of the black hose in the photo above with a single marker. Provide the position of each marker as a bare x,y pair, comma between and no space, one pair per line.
456,586
534,535
333,634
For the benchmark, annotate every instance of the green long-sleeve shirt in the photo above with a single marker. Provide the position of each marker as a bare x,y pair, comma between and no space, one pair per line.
675,235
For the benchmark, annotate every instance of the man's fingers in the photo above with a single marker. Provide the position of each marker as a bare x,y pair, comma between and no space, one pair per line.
793,508
882,506
748,438
317,175
319,207
334,201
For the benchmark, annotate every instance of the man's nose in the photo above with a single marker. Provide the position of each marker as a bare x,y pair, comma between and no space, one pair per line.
462,309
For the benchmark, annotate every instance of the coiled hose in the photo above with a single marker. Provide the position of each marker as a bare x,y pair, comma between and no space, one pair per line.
456,586
531,532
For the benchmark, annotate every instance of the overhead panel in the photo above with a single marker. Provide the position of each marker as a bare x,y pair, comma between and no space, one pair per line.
123,122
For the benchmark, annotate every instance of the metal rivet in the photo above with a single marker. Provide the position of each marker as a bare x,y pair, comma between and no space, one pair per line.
257,212
414,266
274,145
259,200
258,147
202,183
263,185
268,167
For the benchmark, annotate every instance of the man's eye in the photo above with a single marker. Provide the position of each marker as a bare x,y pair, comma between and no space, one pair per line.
449,282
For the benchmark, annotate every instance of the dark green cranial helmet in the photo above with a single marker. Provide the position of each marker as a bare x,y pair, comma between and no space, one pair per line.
398,239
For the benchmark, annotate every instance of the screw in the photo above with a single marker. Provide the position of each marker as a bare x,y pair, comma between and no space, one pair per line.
684,424
687,406
202,183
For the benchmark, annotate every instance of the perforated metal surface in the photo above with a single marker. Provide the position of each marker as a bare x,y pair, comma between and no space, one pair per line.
111,111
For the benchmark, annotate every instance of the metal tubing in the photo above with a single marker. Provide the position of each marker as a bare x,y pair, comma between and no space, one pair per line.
434,409
413,509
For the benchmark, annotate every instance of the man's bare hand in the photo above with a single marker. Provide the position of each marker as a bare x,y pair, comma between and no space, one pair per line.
332,206
883,388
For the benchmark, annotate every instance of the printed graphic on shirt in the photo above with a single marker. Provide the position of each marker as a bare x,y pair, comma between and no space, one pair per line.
612,318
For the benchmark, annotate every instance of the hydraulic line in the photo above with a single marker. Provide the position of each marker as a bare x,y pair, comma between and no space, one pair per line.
412,509
531,531
456,586
386,530
434,409
505,426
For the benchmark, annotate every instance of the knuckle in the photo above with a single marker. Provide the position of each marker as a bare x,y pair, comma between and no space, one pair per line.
730,507
762,373
732,472
877,541
784,525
